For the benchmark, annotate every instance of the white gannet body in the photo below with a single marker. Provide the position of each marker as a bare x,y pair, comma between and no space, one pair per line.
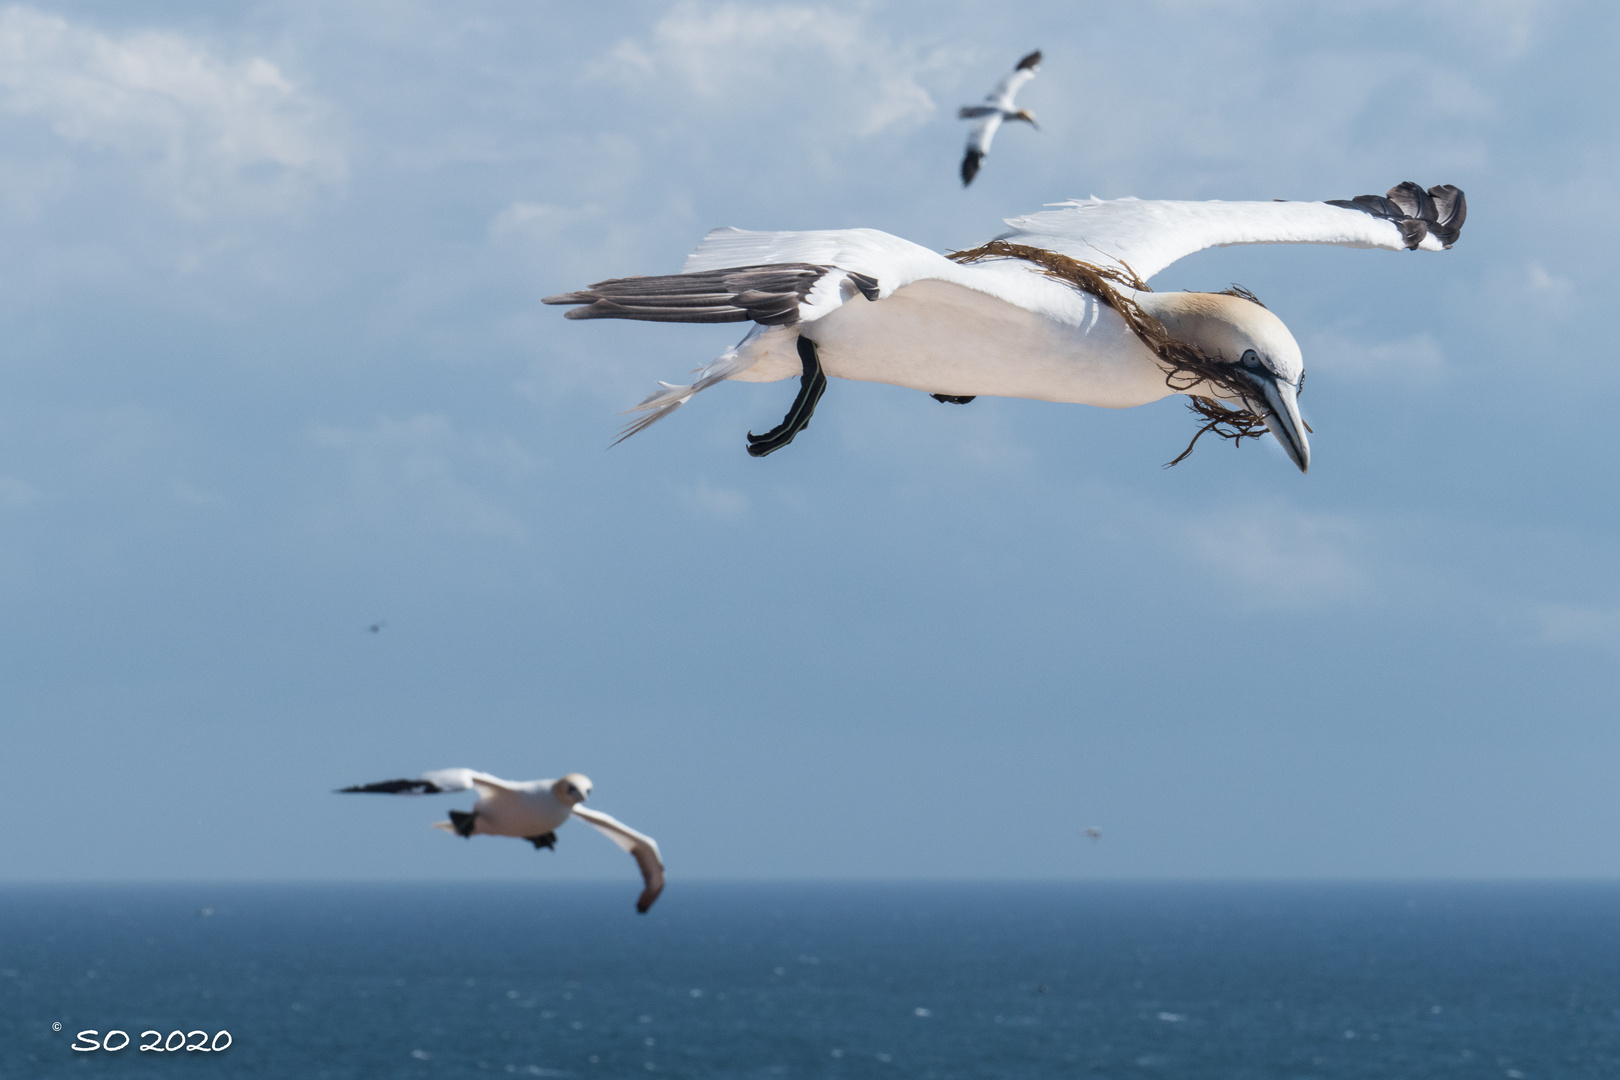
865,305
996,109
530,810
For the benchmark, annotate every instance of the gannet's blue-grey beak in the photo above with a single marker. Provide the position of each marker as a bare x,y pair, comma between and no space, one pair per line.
1281,402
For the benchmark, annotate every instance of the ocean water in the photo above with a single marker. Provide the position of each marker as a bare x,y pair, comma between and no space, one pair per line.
781,980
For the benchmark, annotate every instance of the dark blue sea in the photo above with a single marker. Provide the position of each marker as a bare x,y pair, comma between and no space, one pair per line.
781,980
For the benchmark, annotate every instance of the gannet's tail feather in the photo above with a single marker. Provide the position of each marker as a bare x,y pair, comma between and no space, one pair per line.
735,360
656,406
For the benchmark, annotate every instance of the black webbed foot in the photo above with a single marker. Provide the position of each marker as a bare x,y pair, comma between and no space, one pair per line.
463,822
953,399
544,840
812,384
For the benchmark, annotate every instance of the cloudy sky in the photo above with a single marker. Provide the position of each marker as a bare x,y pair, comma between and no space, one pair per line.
274,369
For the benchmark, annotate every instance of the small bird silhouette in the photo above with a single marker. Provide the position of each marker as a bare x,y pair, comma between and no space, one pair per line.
1094,833
376,627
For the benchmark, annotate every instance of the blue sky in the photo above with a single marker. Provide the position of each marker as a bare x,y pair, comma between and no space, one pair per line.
275,369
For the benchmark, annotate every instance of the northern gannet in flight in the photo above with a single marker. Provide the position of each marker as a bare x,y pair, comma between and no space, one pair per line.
1056,309
530,810
997,107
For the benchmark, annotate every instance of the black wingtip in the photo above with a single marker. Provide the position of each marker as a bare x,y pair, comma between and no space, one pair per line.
970,166
769,294
1439,212
1031,62
392,787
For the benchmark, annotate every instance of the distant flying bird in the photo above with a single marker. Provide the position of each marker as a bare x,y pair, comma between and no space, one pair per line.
376,627
530,810
1094,833
1057,309
997,108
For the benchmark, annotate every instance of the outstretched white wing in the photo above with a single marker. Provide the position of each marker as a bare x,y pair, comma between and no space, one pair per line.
643,847
980,136
771,278
1147,236
462,779
1007,89
887,259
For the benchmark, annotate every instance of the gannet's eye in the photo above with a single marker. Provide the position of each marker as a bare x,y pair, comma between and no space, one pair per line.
1251,358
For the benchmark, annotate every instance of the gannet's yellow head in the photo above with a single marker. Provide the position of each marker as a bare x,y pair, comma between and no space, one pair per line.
1263,352
572,789
1027,117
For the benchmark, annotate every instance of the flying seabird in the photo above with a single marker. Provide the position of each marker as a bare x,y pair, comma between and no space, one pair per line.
1056,309
997,108
530,810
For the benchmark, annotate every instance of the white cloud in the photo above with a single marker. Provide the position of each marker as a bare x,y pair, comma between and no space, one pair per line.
1508,28
775,59
1236,104
201,130
523,217
1277,557
1553,293
1564,624
1551,286
548,223
1540,279
1418,358
724,504
415,468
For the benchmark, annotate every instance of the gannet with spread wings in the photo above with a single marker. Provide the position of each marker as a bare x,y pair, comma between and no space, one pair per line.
1056,309
997,108
530,810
